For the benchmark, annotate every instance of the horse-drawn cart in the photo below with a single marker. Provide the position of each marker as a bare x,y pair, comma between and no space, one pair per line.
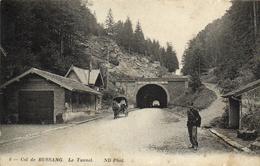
120,105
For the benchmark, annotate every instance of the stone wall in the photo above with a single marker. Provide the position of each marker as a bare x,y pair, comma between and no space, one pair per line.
175,89
130,89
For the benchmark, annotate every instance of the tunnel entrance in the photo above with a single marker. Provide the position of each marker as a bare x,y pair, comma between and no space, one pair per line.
151,96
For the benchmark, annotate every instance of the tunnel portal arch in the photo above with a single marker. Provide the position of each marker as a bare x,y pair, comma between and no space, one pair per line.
149,93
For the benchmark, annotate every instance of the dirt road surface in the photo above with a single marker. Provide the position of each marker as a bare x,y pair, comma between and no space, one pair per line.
144,130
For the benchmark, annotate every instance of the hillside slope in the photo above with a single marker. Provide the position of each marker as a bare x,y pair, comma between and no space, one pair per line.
122,64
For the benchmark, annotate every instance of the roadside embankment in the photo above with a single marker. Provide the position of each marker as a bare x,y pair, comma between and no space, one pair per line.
202,99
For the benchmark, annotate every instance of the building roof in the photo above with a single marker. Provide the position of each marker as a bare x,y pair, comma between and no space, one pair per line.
2,51
66,83
243,89
83,75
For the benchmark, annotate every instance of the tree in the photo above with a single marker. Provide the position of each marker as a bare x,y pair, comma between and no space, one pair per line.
171,61
118,33
195,81
45,34
229,44
128,34
139,41
110,23
135,41
124,34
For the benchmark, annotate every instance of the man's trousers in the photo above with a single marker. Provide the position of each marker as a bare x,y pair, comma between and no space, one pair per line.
193,135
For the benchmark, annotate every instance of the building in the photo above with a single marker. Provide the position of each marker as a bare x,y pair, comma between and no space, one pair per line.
92,78
242,101
38,96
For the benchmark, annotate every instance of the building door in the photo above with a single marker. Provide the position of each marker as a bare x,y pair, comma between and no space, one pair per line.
234,113
36,107
1,106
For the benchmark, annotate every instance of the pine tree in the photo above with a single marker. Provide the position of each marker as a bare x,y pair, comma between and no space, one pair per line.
128,34
110,23
118,33
171,61
139,41
229,44
45,34
134,41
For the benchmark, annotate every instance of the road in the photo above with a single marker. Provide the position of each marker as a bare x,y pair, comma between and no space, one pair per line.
144,130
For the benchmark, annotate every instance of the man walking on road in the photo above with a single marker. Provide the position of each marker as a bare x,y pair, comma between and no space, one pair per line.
194,121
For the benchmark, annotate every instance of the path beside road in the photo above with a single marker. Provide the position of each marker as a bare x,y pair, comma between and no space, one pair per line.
216,109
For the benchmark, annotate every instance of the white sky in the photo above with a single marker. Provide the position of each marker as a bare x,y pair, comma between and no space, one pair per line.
175,21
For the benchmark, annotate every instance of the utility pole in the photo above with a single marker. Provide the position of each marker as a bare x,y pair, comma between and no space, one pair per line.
1,93
255,20
107,65
61,41
0,71
199,66
2,54
90,65
86,47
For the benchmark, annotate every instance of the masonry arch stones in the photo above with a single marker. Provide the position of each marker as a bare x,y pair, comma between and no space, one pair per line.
143,91
151,95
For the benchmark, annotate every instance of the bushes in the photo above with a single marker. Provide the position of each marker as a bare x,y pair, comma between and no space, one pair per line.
251,121
227,85
108,96
202,98
114,61
221,122
195,82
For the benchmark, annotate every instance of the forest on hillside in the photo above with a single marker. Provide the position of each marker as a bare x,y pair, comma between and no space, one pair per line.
229,45
53,34
134,41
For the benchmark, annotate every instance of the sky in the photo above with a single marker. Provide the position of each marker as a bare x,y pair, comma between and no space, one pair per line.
174,21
